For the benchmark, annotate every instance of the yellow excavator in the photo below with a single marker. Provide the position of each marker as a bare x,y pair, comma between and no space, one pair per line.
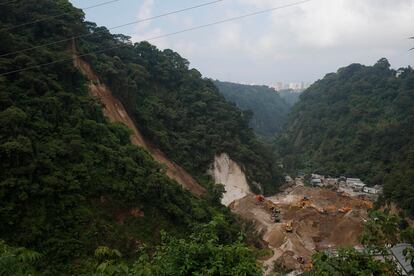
288,227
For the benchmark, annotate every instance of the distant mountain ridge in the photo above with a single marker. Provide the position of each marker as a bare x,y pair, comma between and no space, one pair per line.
269,110
290,96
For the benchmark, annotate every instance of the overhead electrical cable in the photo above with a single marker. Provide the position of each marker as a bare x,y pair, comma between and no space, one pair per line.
14,1
59,15
113,28
161,36
7,2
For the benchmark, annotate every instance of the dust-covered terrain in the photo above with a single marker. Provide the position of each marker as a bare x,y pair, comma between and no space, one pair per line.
311,219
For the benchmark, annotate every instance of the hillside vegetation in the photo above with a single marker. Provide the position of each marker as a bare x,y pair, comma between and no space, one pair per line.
269,110
75,190
290,96
357,122
180,112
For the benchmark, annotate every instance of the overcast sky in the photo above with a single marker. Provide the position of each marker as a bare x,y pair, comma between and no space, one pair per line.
300,43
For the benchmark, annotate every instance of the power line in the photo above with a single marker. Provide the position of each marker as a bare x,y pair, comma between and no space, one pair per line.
12,1
7,2
161,36
230,19
112,28
59,15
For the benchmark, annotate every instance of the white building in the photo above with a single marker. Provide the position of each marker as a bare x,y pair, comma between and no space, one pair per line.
317,182
331,181
278,86
317,176
372,190
355,183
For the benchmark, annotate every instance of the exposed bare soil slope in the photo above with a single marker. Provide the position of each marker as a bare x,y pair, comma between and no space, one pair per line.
116,112
227,172
327,220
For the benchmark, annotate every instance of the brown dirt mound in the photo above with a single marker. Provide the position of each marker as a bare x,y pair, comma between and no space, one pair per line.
276,237
313,229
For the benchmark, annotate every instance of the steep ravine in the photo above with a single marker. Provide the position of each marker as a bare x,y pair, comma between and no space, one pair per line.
116,112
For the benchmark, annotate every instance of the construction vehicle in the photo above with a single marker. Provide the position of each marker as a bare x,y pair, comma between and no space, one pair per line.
321,210
275,217
289,227
301,260
304,202
269,206
308,267
275,212
260,199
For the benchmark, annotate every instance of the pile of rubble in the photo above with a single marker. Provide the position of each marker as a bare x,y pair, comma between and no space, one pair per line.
303,220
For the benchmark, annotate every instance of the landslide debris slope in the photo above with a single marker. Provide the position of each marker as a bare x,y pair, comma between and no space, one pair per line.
70,180
116,112
312,229
181,113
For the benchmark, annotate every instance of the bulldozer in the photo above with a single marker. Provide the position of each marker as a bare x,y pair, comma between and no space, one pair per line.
308,267
270,206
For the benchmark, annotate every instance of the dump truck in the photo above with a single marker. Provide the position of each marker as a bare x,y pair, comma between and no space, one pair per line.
275,217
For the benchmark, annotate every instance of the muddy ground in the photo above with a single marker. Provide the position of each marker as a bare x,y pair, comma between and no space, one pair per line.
319,225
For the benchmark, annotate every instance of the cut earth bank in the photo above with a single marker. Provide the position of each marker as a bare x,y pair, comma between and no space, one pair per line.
311,219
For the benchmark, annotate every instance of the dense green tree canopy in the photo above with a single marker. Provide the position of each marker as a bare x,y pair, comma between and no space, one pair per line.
70,181
290,96
180,112
358,122
349,262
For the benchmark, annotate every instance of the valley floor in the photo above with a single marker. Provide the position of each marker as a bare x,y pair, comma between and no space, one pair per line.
320,219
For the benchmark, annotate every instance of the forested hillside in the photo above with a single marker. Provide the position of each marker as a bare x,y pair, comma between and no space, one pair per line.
291,97
74,189
269,110
177,110
358,122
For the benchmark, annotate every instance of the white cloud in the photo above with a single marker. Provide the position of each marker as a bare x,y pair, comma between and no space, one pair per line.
145,11
144,31
297,43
